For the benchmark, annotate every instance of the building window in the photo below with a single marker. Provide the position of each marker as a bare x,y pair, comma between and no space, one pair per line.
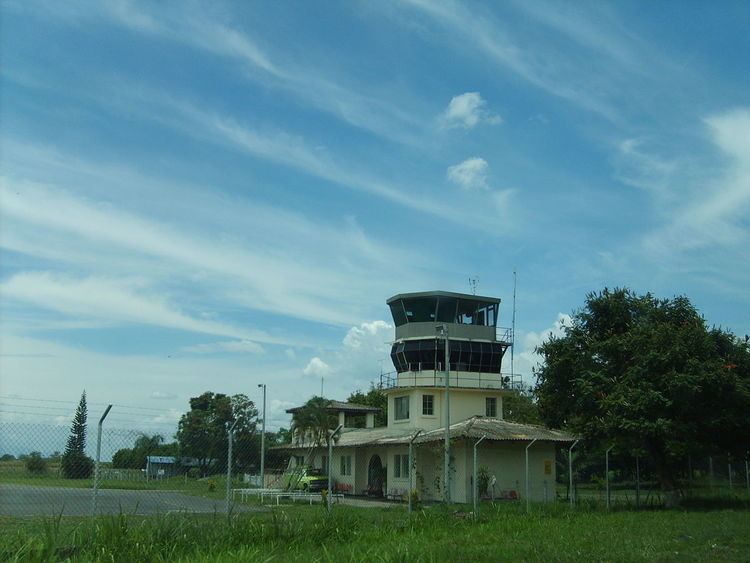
401,408
299,460
428,405
346,465
401,466
490,407
324,464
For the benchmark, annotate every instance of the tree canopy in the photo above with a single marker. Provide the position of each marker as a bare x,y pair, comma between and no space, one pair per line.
650,377
203,431
373,398
144,446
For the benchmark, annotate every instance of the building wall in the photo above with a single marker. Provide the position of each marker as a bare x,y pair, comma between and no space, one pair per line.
465,403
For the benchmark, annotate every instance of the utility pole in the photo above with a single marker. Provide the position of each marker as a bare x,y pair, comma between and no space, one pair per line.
263,441
447,461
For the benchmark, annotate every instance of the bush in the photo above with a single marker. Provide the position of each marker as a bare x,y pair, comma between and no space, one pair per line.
76,465
35,463
211,485
194,473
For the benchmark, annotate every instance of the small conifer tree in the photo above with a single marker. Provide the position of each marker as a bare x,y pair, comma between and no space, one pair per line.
75,464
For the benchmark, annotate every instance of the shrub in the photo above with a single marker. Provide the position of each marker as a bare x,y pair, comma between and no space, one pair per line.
483,480
194,473
211,485
76,465
35,463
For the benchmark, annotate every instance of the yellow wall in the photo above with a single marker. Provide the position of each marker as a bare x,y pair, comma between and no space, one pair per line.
465,403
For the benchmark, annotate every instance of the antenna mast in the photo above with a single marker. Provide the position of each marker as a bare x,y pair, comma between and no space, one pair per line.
513,329
473,283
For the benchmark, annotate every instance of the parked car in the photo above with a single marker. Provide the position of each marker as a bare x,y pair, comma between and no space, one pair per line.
305,478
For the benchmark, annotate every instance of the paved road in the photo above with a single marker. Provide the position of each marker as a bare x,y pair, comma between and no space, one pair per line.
26,500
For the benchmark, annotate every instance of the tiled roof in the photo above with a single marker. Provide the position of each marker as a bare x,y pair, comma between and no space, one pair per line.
339,406
493,429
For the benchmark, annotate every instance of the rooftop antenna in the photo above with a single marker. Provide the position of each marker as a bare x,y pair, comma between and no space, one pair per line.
513,329
473,283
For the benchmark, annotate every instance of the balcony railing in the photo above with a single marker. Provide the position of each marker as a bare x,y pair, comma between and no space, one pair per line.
436,378
504,334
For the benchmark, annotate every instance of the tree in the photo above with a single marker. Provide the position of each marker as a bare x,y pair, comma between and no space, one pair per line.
314,421
373,398
648,376
35,463
522,408
144,446
203,431
75,464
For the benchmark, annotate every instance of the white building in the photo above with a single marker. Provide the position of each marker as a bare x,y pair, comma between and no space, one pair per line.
375,461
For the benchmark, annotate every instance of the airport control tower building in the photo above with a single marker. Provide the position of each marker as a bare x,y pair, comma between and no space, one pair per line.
476,347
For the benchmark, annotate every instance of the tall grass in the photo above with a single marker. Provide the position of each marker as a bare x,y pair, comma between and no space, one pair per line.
502,532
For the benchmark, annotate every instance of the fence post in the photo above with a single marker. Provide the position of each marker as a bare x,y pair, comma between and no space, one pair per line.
729,468
98,457
637,483
411,465
606,471
230,440
528,485
330,467
571,493
475,488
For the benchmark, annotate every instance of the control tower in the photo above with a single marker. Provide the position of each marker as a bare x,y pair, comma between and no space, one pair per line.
476,347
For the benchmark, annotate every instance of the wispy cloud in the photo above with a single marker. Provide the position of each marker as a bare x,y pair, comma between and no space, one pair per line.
205,30
117,301
233,346
268,275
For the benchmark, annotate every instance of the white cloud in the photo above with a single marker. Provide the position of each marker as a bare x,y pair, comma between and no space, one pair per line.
527,358
163,395
471,174
467,110
235,346
317,368
290,353
368,335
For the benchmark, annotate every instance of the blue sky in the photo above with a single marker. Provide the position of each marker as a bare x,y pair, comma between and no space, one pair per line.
206,196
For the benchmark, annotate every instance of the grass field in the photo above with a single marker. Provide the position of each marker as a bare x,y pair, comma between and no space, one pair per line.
503,532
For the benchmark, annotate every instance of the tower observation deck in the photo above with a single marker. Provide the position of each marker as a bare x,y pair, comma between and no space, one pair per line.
476,344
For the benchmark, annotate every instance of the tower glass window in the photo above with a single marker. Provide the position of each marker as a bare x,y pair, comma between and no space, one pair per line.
421,309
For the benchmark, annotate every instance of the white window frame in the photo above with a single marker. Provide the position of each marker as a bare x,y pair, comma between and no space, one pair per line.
490,401
398,400
432,405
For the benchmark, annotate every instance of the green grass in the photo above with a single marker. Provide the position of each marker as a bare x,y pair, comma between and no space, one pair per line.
503,532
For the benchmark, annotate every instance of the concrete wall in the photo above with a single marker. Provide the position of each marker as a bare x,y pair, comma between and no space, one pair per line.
503,460
465,403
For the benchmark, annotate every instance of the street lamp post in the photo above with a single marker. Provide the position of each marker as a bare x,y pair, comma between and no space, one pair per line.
446,469
263,441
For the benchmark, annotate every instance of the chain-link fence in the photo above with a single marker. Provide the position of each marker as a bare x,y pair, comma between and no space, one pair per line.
132,462
603,476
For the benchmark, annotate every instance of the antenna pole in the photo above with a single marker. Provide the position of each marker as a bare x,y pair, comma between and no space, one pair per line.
513,330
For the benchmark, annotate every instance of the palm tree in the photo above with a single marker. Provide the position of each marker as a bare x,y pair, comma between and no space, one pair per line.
314,421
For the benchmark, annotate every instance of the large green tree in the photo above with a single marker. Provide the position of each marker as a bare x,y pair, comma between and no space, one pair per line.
373,398
75,464
650,377
144,446
203,432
